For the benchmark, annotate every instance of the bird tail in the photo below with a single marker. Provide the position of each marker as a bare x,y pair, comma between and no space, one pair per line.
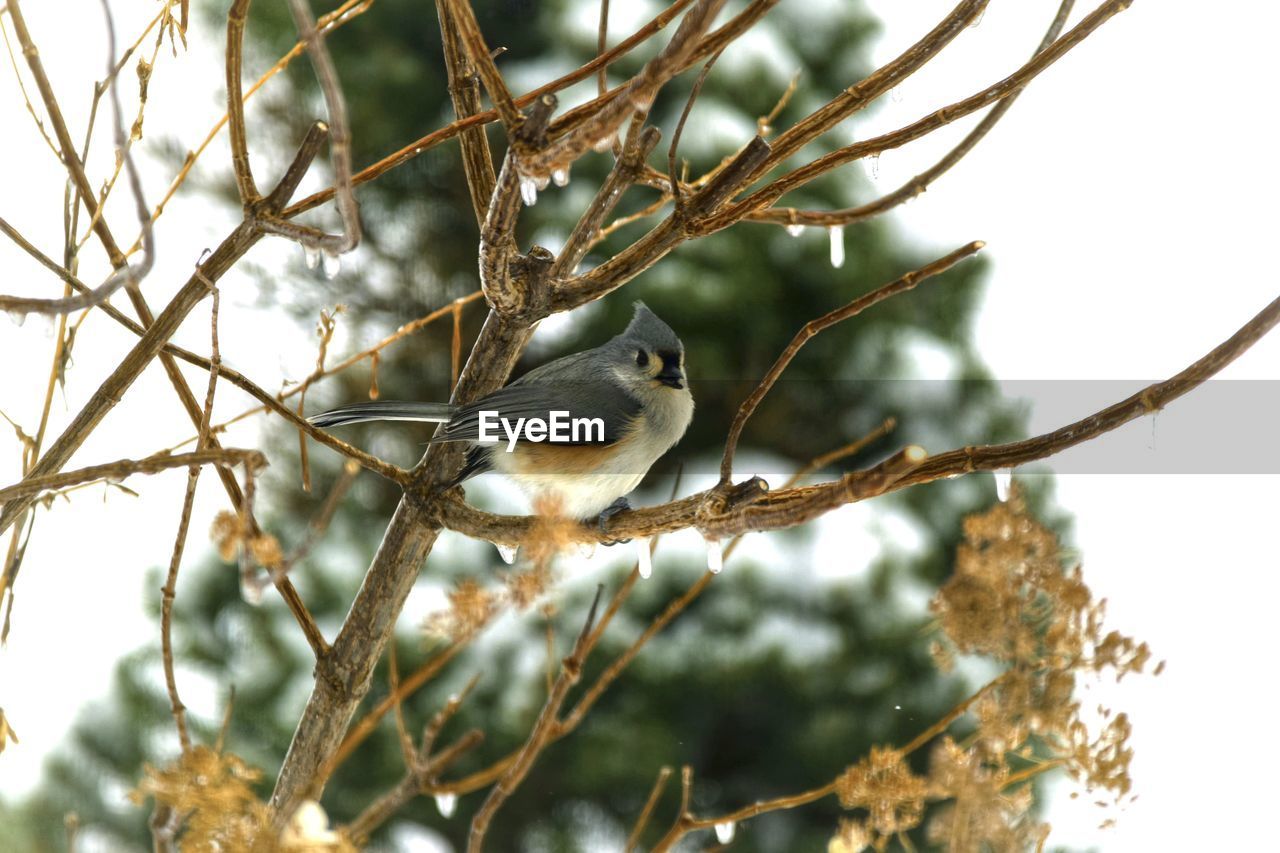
384,410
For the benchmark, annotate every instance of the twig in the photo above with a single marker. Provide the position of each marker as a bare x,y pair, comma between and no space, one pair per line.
31,486
633,840
152,342
464,91
421,772
169,590
406,687
464,18
815,327
339,132
639,94
602,38
348,11
802,175
684,116
248,188
920,183
652,247
789,507
890,74
635,150
75,169
542,734
430,140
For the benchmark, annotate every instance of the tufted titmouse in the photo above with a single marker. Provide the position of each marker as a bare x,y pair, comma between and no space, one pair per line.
580,431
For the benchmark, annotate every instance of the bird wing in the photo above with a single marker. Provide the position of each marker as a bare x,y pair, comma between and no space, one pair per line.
538,397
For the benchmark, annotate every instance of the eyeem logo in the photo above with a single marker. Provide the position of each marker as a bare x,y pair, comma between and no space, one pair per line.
560,427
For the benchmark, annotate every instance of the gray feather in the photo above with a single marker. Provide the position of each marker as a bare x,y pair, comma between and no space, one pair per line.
384,410
539,393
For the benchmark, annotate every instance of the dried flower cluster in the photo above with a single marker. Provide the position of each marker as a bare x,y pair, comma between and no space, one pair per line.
230,533
213,794
472,606
214,790
1013,600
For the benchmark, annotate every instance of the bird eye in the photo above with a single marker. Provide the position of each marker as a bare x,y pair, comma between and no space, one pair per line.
642,358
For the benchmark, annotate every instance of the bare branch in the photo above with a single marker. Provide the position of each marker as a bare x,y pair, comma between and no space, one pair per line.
339,132
633,840
443,134
920,183
826,321
30,486
639,95
236,17
543,733
639,144
75,169
789,507
684,116
802,175
464,91
463,17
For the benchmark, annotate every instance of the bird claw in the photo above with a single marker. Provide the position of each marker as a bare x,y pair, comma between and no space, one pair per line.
602,520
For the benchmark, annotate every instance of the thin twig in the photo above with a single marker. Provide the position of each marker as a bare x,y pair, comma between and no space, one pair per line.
236,17
169,590
921,182
31,486
339,131
633,840
788,507
684,116
542,734
817,326
464,91
464,18
802,175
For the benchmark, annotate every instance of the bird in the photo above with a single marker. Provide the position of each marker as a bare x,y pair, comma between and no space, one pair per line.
577,434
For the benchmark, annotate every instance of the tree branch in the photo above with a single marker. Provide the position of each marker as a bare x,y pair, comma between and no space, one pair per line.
464,91
921,182
815,327
788,507
31,486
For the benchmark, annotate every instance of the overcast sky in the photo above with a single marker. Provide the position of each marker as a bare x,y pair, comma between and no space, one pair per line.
1128,205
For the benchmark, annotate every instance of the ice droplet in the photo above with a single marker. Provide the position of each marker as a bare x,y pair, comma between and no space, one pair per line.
644,560
541,181
18,317
310,256
507,552
446,803
586,550
603,144
978,19
250,589
528,191
895,94
836,233
873,166
795,229
332,264
560,176
725,830
1004,483
715,557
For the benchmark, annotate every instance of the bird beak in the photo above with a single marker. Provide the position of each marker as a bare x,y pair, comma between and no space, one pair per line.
672,377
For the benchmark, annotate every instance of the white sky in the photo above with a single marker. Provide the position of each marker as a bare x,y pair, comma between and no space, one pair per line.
1127,205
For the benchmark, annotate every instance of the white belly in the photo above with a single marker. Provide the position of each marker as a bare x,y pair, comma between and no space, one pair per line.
584,490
